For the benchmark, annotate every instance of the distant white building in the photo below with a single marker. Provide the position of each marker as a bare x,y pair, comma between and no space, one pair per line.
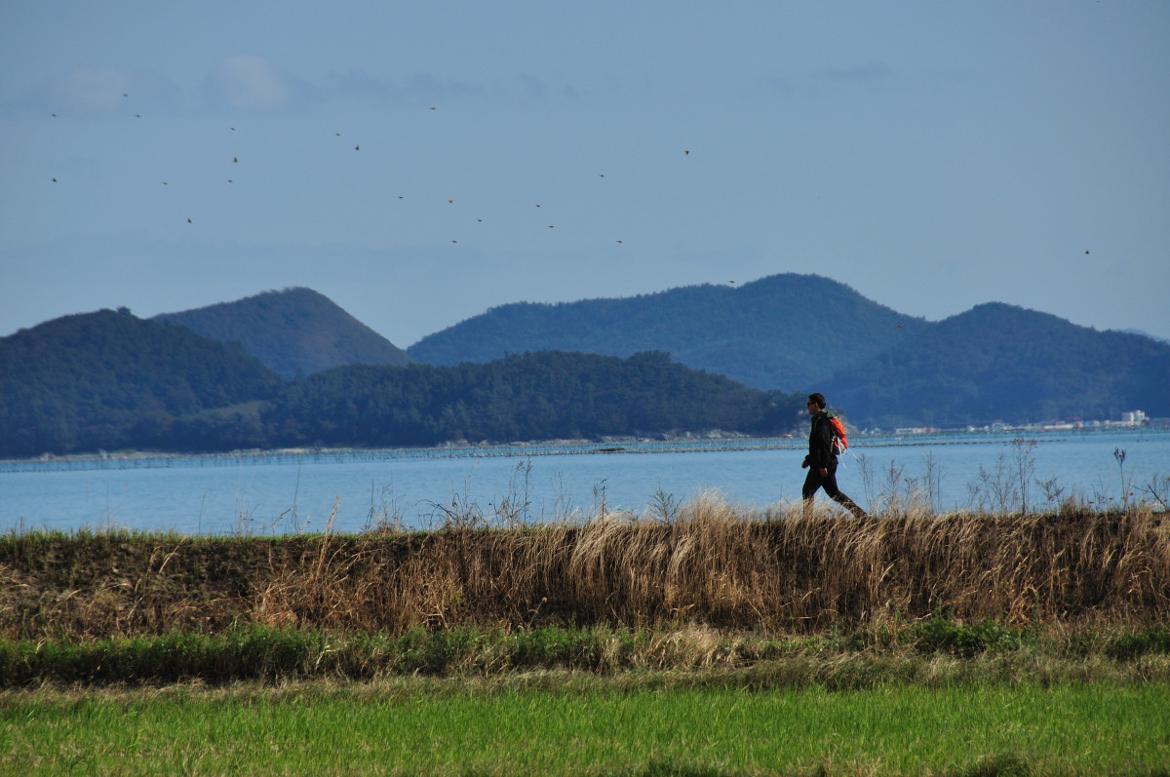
1134,418
903,431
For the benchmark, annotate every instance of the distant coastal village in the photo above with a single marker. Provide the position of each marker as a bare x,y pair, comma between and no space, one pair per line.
1131,419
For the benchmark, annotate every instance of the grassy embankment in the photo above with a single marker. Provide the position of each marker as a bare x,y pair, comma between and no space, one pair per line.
962,644
714,587
711,566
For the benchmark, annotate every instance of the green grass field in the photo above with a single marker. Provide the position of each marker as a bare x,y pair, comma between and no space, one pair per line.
584,724
707,645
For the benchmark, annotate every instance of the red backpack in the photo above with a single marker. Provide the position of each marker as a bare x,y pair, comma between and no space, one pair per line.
840,438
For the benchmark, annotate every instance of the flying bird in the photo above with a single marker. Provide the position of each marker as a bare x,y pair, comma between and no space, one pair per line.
357,148
450,200
54,180
686,152
619,242
235,160
1086,252
188,220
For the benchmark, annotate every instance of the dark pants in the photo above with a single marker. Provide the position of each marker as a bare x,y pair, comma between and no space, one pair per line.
829,483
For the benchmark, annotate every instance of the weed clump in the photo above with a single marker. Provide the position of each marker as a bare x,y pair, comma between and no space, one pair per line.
1130,646
940,635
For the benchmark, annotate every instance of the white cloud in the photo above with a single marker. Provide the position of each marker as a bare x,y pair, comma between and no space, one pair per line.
424,88
874,75
250,82
95,90
867,74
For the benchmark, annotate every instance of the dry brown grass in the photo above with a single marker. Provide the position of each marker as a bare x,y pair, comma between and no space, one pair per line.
713,566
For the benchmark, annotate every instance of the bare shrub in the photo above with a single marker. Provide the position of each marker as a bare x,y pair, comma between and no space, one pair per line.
1159,490
1024,460
512,509
385,514
664,506
994,490
865,467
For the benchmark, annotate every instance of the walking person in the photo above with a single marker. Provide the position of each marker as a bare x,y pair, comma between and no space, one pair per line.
821,460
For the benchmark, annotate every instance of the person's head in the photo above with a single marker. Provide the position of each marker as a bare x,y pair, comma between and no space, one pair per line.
816,403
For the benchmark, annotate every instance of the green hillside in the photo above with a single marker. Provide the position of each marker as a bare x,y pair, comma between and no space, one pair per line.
536,396
997,362
111,380
295,332
782,332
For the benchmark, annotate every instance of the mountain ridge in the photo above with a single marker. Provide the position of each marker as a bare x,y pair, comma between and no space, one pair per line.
1000,362
805,332
90,380
108,379
761,333
295,331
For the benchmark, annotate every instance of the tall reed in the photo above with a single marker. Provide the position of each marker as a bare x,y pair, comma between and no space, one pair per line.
712,564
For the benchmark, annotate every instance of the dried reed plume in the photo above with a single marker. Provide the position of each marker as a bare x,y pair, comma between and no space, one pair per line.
711,565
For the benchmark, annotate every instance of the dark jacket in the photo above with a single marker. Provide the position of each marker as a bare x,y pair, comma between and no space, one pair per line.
820,442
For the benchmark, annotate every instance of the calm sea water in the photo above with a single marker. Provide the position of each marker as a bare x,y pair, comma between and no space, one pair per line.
286,492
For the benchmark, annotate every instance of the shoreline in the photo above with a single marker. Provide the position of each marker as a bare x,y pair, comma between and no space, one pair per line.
710,442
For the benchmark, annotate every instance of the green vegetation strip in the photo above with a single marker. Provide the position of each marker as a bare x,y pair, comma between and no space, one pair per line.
930,653
585,726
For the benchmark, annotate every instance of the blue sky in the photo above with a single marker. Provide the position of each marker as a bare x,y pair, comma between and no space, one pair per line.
392,156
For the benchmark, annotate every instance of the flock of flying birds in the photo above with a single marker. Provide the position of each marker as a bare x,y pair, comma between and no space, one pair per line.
686,152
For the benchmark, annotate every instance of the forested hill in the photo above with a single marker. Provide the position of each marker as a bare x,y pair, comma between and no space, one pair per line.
998,362
536,396
111,380
782,332
295,332
803,333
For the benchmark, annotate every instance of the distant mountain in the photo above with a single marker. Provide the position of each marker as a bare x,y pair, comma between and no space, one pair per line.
531,397
782,332
111,380
1141,333
998,362
294,332
803,332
